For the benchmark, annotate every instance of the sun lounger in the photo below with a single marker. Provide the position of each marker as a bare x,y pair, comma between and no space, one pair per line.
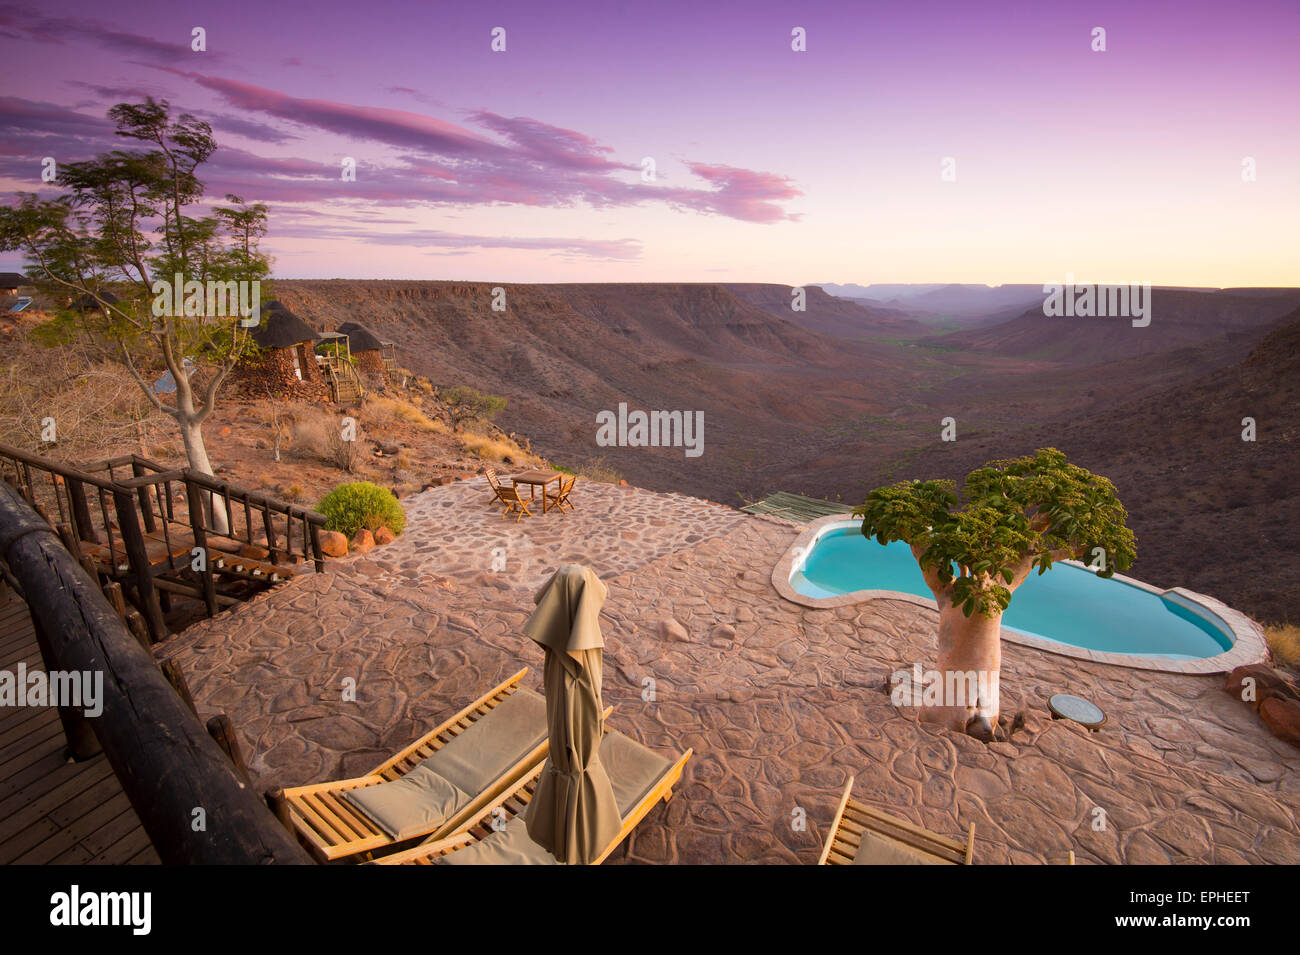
640,776
433,788
861,835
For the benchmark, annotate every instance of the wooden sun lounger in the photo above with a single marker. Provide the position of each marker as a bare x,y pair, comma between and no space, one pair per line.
513,803
852,819
332,828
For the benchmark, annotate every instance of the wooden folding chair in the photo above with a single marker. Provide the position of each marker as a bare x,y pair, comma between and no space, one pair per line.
509,496
560,498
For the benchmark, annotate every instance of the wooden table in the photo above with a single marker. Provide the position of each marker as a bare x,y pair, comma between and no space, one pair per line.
538,478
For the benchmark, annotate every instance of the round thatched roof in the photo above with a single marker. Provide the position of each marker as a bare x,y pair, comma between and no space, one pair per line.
360,338
281,328
88,304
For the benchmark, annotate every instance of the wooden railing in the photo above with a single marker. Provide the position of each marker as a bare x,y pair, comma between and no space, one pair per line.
168,764
162,531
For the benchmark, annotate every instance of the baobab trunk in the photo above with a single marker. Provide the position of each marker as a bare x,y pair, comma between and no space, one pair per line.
196,453
970,660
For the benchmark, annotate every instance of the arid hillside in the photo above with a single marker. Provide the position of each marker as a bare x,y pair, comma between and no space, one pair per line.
1211,511
561,354
1177,318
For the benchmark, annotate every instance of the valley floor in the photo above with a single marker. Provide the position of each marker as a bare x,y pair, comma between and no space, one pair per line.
780,702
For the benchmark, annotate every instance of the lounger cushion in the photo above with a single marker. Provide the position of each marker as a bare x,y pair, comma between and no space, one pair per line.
511,846
478,757
633,769
875,849
445,783
417,803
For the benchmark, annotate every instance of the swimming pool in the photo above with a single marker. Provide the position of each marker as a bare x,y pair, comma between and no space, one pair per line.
1069,605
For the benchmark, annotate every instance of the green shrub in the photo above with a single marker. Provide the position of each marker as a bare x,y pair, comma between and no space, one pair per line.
350,507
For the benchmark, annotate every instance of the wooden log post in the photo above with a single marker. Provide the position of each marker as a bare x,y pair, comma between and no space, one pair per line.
77,729
172,671
142,492
138,557
167,763
223,731
194,498
82,523
139,629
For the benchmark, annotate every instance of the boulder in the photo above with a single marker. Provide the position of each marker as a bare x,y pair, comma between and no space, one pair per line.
1282,717
333,544
384,536
362,541
1269,684
670,629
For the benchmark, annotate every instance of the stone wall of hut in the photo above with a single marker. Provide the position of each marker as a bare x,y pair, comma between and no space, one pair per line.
271,375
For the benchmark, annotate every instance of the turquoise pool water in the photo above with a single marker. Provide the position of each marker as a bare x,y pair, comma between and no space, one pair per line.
1067,604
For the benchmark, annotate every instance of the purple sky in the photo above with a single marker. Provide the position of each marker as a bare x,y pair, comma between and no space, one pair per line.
771,165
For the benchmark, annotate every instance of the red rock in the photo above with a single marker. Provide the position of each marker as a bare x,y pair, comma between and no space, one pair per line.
384,536
225,430
1269,684
333,544
622,484
1282,717
670,629
362,541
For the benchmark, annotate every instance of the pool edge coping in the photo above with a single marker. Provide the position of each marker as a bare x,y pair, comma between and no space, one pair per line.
1248,642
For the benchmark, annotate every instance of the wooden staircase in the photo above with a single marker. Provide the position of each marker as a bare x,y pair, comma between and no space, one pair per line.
345,384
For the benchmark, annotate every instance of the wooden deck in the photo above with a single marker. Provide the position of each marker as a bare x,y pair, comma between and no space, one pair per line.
796,507
53,811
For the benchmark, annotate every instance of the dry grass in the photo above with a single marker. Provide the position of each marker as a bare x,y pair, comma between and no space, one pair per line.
320,435
1284,641
597,471
497,449
382,413
93,409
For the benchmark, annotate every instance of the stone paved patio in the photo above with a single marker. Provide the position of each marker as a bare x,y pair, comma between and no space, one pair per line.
780,702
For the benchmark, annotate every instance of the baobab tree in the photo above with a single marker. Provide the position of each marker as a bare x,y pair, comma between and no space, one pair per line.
1016,516
139,274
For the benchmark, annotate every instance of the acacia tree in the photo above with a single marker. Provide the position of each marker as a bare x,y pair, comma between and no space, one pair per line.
121,236
1018,515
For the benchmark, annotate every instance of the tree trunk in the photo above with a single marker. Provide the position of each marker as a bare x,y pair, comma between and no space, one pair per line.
970,661
196,453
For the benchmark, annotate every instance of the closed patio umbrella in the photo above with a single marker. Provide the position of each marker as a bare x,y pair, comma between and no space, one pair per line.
573,813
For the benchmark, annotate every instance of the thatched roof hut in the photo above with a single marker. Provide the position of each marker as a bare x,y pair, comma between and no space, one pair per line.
281,328
360,338
287,356
87,303
366,348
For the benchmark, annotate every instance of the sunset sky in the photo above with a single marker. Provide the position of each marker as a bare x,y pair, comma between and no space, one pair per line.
772,165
